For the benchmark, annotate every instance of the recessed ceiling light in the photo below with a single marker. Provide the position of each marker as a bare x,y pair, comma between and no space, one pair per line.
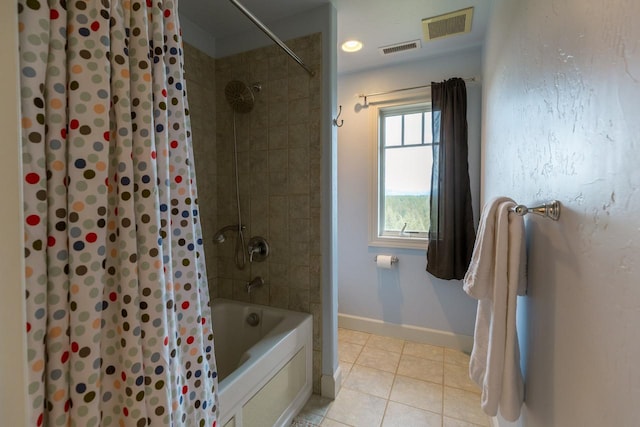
351,46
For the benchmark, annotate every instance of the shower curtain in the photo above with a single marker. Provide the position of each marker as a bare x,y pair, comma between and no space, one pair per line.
451,231
118,319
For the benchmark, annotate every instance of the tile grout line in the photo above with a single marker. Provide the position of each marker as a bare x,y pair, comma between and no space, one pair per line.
396,374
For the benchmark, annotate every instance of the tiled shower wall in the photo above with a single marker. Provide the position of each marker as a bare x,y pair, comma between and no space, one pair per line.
279,173
200,78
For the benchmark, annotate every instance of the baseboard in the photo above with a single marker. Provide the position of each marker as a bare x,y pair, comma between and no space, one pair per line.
407,332
330,385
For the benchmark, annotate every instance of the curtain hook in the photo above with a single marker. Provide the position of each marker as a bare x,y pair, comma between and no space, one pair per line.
335,121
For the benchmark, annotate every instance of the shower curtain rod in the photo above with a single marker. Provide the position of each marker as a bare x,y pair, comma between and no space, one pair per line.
470,79
272,36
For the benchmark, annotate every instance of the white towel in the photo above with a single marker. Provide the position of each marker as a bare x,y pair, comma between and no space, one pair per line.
496,275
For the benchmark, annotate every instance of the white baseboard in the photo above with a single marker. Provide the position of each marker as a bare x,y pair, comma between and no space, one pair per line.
407,332
330,385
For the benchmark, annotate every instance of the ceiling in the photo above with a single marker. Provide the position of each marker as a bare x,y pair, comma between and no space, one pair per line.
374,22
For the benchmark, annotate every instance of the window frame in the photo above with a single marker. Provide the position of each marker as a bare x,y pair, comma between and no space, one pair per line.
377,237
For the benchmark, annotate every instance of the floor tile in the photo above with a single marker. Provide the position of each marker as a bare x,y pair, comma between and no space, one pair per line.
357,409
458,377
385,343
422,369
378,359
355,337
452,422
346,368
424,351
464,405
399,415
417,393
348,352
456,357
390,382
369,380
327,422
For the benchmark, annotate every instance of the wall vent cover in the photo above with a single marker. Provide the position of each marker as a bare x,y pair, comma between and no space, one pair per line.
449,24
400,47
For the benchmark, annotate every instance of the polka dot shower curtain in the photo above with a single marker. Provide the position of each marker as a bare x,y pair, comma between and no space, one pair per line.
118,318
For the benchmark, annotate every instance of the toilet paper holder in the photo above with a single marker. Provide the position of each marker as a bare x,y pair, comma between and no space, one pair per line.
394,259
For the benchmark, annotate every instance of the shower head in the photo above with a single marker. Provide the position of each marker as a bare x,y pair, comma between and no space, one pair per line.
219,237
240,96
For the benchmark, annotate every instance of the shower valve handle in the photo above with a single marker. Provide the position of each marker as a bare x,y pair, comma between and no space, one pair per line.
258,249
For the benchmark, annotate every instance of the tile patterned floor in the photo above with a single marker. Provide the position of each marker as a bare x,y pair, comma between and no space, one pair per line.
387,382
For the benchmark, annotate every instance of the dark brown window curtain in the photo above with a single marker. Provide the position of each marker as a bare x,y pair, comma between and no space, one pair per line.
451,232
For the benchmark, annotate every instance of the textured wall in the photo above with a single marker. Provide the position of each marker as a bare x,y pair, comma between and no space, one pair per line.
279,155
562,84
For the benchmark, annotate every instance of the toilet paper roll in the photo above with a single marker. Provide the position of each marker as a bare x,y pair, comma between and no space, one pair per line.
384,261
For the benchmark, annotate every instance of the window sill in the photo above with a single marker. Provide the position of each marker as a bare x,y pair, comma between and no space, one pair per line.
399,242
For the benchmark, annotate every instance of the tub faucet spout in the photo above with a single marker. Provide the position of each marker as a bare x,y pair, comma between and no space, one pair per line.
255,283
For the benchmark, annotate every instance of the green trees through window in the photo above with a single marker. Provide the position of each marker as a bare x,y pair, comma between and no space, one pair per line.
404,174
410,210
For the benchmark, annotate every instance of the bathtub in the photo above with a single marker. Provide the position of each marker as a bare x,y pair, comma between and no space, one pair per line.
264,358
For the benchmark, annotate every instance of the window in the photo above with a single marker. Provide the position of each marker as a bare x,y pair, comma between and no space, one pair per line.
402,181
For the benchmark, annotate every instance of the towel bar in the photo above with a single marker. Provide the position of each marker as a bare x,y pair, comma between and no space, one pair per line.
548,210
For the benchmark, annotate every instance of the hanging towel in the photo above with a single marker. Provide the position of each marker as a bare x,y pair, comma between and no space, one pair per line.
496,275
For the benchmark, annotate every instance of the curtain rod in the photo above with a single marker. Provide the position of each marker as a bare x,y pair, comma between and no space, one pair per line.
272,36
470,79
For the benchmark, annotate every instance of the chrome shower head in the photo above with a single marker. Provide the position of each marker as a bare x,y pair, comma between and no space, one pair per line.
239,96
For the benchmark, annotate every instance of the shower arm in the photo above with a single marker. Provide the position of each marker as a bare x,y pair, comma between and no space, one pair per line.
272,36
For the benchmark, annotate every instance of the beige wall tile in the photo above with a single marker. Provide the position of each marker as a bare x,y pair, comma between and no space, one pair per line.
298,111
278,114
278,91
278,137
274,168
299,256
278,66
298,299
278,160
299,135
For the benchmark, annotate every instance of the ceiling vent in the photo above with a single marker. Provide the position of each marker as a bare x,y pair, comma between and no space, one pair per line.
400,47
449,24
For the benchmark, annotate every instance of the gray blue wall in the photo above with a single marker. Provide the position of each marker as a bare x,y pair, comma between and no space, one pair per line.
406,294
561,108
